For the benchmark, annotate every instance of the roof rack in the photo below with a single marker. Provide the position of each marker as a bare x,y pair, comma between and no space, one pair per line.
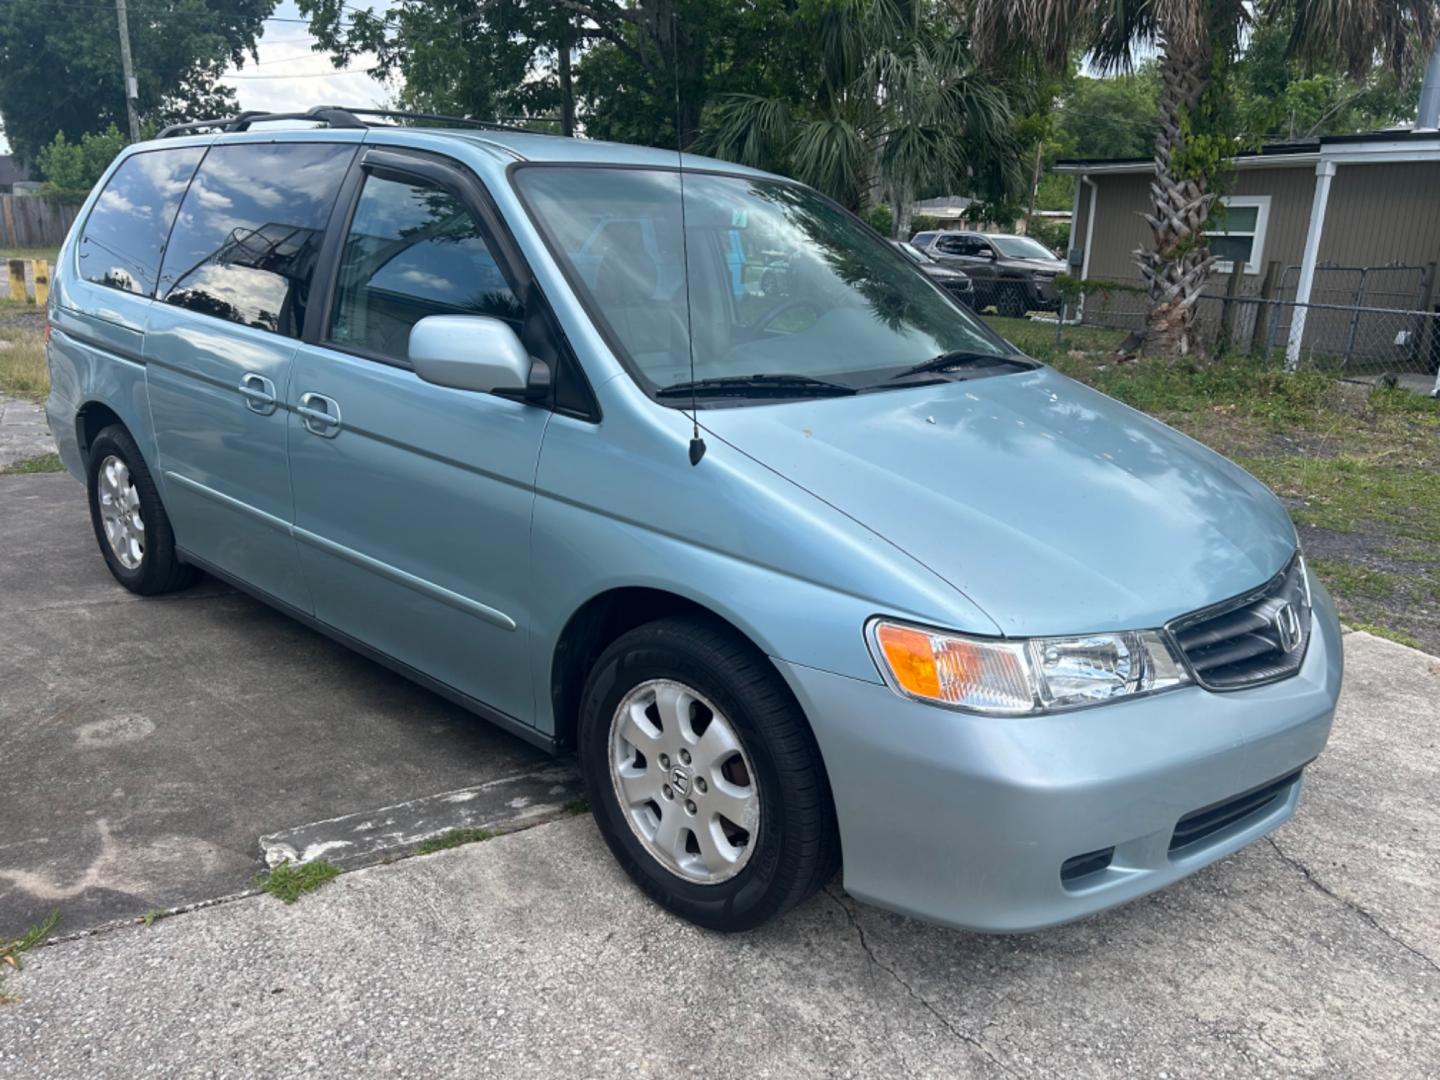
335,117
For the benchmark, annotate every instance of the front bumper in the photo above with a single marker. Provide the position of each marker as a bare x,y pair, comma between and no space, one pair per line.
967,820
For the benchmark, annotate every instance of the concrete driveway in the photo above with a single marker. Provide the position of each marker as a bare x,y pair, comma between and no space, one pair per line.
1316,953
146,745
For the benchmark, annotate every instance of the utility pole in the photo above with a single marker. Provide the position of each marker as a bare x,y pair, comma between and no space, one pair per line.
132,89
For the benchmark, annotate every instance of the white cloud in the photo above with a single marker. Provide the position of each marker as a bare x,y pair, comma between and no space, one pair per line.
291,78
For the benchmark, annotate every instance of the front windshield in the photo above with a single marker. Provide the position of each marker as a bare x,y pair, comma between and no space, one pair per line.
1022,247
781,281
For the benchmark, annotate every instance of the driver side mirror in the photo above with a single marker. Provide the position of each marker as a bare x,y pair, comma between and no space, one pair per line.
476,352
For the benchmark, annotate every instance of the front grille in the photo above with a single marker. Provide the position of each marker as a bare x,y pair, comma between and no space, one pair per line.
1252,639
1204,823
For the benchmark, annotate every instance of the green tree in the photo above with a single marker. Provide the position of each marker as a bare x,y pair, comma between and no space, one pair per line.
467,57
1110,118
60,70
1197,41
1280,97
71,168
499,58
882,103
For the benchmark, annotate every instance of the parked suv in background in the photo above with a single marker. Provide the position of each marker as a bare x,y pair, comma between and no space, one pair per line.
829,569
1014,273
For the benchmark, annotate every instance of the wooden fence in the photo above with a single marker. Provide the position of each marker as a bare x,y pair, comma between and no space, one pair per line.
33,221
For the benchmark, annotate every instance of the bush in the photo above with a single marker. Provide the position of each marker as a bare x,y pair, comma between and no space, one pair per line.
880,219
72,169
1055,235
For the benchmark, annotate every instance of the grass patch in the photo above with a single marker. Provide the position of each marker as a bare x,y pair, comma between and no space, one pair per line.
576,807
23,371
48,254
1350,579
1037,339
40,464
1389,635
453,838
1348,492
289,883
12,950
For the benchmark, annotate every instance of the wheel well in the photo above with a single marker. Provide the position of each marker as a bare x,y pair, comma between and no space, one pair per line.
93,419
598,622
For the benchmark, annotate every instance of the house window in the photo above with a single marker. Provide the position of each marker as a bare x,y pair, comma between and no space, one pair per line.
1237,233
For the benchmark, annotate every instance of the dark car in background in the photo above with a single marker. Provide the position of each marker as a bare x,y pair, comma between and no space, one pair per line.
1014,273
955,282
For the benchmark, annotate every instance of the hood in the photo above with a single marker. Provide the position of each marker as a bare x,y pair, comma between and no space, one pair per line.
1054,508
1039,266
935,270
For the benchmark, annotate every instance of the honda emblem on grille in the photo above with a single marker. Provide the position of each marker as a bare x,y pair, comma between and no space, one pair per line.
1287,627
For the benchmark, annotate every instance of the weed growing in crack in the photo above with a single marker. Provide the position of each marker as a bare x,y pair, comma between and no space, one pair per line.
289,883
11,951
453,838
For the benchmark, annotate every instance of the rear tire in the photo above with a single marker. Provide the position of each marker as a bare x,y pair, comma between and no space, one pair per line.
666,801
130,522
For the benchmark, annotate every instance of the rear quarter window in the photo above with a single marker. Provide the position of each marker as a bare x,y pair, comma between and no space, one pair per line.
125,233
248,234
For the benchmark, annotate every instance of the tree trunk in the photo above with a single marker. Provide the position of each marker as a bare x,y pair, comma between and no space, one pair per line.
1176,268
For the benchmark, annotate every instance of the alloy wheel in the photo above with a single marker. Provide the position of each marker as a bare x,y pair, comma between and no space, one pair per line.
120,512
684,782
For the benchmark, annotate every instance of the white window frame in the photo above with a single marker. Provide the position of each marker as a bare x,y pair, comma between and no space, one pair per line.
1261,203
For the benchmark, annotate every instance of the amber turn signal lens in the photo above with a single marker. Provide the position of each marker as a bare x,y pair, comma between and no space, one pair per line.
911,658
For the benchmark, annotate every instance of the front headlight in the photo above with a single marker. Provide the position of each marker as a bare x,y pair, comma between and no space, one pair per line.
1016,677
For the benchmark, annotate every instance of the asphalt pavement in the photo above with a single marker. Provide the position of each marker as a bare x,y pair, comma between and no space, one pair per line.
191,727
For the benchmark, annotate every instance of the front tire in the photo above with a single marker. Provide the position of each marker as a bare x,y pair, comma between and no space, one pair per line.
704,776
130,522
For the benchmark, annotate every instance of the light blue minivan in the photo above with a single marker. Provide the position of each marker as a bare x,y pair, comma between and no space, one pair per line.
679,467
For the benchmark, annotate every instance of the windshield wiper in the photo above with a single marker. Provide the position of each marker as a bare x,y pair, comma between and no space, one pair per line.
947,360
771,385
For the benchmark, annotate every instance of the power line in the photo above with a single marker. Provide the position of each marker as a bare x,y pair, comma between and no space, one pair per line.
303,75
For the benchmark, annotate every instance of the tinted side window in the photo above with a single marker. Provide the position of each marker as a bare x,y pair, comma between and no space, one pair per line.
126,230
413,250
248,233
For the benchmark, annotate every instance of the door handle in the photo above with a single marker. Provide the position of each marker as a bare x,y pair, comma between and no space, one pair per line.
259,393
319,414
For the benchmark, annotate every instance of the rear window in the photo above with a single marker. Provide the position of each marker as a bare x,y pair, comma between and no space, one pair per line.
125,232
248,233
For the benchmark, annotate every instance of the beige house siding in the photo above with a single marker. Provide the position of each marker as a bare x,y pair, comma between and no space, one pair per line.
1119,228
1379,214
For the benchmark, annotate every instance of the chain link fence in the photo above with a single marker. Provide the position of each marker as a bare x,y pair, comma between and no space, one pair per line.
1361,321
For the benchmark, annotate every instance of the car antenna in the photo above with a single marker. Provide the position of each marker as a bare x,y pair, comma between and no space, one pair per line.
697,444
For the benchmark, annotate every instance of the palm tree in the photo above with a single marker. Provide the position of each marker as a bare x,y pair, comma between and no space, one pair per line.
1194,40
889,103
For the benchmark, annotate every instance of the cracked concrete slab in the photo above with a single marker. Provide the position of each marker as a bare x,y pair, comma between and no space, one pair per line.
531,955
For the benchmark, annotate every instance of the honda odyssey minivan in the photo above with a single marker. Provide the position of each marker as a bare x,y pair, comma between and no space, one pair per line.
828,575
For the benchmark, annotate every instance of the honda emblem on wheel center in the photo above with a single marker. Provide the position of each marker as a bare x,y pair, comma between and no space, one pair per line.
680,780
